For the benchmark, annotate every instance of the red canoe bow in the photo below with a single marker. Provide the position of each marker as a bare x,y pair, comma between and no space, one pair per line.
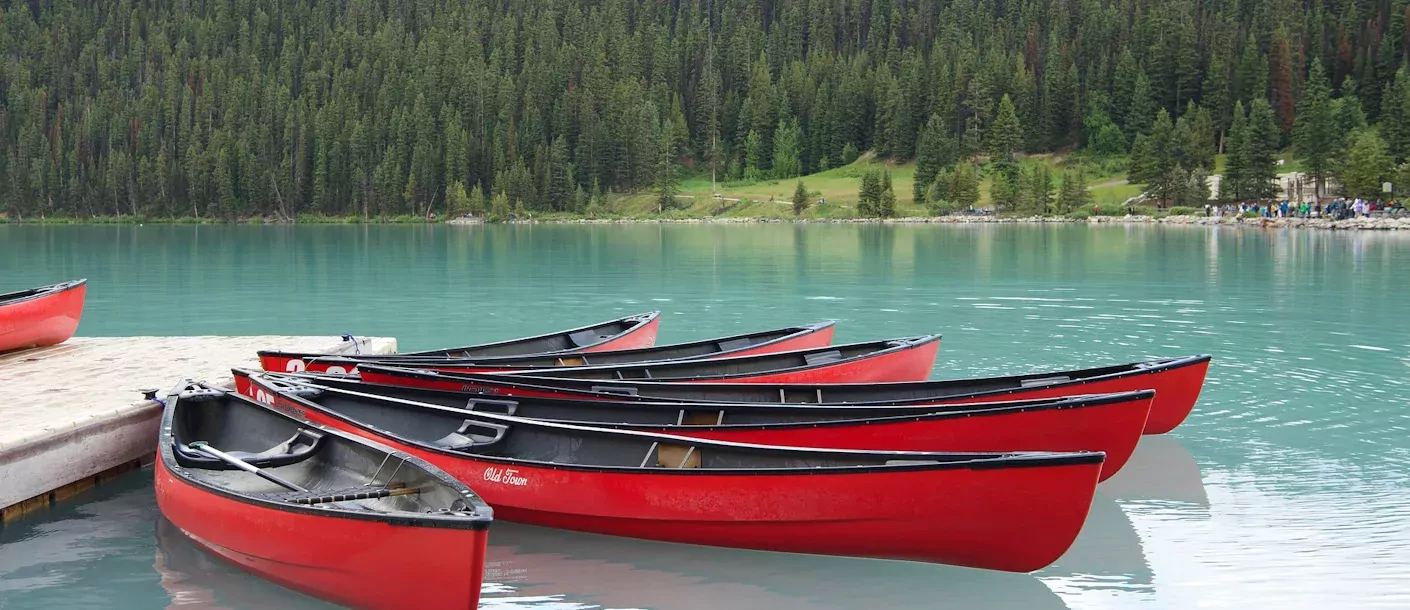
763,342
383,547
632,332
1176,381
41,317
1002,511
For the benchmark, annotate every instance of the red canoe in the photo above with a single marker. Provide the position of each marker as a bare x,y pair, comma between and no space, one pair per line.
41,316
1177,382
1003,511
1110,423
905,359
320,511
764,342
632,332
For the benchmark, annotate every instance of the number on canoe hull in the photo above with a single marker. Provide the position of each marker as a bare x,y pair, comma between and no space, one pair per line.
296,365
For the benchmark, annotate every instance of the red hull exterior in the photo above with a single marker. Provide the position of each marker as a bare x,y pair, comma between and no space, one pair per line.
975,517
1111,428
347,561
45,320
1177,390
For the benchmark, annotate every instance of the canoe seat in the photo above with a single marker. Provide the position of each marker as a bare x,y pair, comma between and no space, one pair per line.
734,344
463,438
298,448
1029,383
607,389
823,357
506,407
584,338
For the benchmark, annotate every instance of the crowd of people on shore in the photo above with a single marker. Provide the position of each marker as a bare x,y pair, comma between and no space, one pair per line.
1337,209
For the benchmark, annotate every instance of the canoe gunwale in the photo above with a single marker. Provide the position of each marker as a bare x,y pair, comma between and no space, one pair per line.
918,412
30,294
570,386
787,333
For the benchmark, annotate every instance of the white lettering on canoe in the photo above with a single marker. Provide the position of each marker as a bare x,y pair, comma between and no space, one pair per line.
506,476
294,365
338,370
263,396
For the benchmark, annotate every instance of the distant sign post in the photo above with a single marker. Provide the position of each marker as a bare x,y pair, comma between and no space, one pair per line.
1385,187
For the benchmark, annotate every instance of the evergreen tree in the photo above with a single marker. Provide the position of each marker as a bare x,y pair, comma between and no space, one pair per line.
1005,134
1040,193
1263,137
1395,115
1316,137
1072,193
886,204
786,143
800,199
1366,166
935,149
667,181
869,195
1233,185
753,157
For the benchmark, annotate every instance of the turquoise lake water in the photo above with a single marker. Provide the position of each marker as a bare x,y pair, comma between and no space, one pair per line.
1289,486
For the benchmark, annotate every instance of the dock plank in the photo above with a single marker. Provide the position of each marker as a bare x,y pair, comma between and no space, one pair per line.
73,411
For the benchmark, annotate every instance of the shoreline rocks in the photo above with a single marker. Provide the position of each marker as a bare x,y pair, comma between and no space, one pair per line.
1352,224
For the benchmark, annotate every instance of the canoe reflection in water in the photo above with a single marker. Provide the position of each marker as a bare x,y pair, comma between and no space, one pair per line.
1161,470
528,566
1109,554
194,578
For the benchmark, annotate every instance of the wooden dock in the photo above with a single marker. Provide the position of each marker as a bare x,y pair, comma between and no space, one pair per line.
72,415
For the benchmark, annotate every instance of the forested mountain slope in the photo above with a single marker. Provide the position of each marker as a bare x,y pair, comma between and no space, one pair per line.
383,107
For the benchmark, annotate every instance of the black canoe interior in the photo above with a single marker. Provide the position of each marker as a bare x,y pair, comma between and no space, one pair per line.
696,369
324,464
651,413
854,394
665,352
519,439
556,342
33,292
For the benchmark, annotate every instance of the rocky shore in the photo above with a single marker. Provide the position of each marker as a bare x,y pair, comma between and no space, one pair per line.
1354,224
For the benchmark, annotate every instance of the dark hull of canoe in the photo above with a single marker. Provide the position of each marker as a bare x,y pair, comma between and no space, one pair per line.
632,332
1012,514
1108,423
41,317
1177,382
767,342
908,359
360,554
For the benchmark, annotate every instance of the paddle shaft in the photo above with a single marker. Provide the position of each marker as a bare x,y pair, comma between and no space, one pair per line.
243,465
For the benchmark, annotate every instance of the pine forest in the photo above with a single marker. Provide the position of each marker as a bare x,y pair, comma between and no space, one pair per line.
379,108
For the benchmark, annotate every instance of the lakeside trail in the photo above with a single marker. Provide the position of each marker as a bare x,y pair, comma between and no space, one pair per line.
1350,224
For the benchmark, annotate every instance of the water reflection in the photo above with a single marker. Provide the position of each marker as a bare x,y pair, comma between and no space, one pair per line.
546,568
194,578
1161,469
